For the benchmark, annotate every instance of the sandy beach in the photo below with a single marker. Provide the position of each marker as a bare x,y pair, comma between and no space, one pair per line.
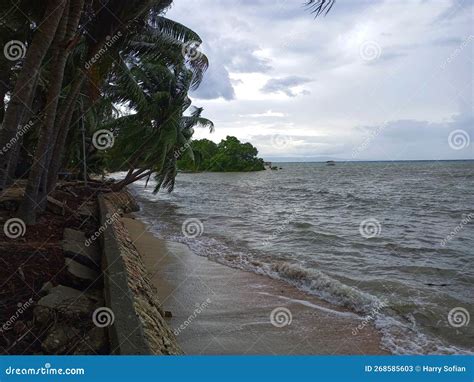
220,310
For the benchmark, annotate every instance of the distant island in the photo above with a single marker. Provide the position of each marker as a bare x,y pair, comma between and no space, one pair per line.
230,155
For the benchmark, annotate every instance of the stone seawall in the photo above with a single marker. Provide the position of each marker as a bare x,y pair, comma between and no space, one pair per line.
139,326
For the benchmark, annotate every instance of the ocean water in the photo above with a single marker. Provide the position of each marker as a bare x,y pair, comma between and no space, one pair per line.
391,241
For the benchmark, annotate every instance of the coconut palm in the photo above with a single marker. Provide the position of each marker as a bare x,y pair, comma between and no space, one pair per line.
145,34
157,132
24,85
156,38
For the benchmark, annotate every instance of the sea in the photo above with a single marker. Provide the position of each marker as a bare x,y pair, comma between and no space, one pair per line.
390,241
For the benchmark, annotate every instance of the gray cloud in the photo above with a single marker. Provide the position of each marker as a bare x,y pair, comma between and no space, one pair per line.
285,85
216,84
260,50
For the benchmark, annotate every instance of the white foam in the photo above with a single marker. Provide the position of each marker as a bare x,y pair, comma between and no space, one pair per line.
315,306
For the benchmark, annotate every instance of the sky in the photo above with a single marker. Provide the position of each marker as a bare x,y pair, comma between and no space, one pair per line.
372,80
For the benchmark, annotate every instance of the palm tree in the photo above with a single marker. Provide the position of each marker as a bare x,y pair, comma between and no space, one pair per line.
155,38
145,33
60,52
149,138
24,85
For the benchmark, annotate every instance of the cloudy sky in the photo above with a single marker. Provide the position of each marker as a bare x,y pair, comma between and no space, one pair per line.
377,80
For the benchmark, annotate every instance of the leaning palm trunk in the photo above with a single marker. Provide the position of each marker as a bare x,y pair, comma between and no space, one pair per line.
24,85
61,131
35,193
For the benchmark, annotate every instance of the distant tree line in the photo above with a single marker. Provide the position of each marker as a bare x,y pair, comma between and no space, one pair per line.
228,155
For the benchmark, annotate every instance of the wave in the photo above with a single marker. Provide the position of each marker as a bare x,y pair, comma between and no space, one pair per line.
324,286
400,333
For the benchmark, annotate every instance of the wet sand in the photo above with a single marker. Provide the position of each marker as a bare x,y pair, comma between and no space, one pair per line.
220,310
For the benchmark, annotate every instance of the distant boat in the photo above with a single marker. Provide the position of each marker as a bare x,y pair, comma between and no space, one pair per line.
330,163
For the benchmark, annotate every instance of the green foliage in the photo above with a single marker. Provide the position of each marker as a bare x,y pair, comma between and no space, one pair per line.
230,155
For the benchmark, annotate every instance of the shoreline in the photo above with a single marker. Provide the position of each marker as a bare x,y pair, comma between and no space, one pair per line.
216,309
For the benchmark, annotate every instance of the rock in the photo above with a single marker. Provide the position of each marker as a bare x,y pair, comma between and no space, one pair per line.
80,274
74,247
68,301
95,342
87,211
46,288
60,339
55,206
42,315
10,198
124,201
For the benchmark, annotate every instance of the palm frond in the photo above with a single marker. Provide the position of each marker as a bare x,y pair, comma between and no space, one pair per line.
320,7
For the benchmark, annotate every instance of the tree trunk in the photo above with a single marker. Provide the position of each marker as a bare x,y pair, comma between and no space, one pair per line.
30,201
26,124
35,193
60,133
140,174
24,84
